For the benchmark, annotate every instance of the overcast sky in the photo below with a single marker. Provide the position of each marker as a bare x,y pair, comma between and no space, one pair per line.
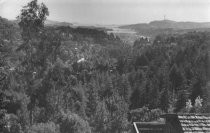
116,11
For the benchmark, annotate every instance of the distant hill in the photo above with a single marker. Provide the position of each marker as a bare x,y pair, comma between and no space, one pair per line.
8,29
165,24
154,28
57,23
8,23
5,23
74,25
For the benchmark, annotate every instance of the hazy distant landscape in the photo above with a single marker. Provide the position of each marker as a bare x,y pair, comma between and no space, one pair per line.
154,28
129,33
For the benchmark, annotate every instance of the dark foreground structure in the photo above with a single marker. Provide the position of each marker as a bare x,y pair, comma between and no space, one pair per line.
176,123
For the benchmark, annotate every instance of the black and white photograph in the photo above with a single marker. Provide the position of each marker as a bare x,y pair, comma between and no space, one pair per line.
104,66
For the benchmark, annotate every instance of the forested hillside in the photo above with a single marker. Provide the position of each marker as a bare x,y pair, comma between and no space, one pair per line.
155,28
80,80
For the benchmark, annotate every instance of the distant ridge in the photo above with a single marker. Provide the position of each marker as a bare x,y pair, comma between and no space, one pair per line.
165,24
5,23
57,23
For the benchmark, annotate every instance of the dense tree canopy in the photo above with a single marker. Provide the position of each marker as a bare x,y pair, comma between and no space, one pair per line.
81,80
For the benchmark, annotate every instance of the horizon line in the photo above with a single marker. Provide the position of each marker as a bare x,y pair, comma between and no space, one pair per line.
75,22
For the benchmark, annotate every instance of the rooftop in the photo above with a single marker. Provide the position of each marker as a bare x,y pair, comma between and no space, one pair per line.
192,123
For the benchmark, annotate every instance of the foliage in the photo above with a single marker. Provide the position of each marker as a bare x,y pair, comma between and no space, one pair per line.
86,80
188,105
196,108
32,19
12,124
72,123
101,118
144,114
44,128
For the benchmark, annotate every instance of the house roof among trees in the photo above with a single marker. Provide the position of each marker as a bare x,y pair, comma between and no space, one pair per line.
193,123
